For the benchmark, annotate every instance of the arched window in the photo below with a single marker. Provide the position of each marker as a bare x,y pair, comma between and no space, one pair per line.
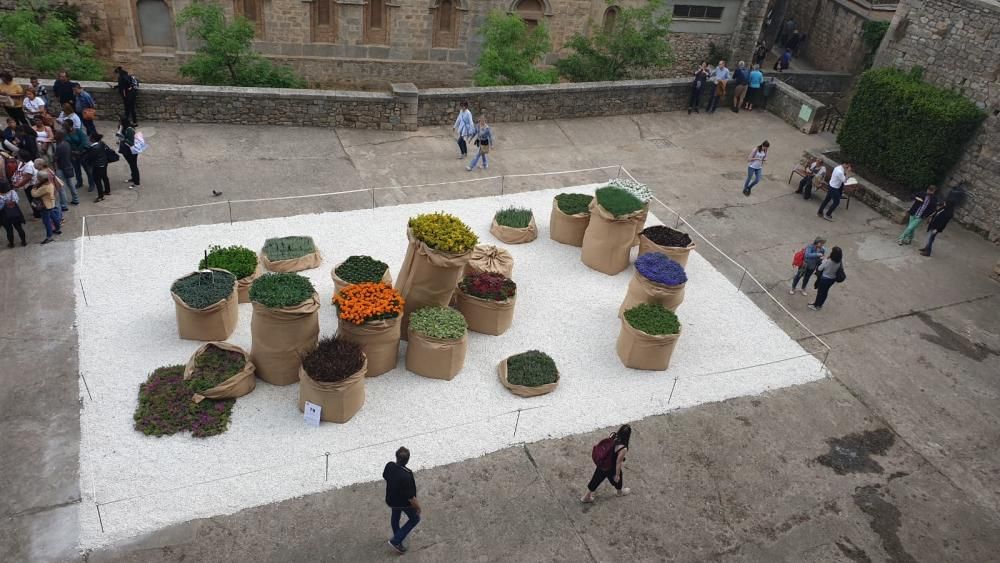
531,11
156,26
252,10
610,15
376,22
324,23
445,24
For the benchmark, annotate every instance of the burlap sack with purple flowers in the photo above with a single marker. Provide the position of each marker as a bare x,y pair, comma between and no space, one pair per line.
657,279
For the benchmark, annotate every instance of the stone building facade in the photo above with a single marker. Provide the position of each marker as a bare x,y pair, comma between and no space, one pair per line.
371,43
957,42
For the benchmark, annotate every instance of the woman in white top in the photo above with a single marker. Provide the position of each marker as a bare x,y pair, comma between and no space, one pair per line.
69,113
33,105
44,136
465,127
755,166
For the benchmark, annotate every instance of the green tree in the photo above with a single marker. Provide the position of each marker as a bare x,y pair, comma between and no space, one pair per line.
225,55
47,41
511,51
636,44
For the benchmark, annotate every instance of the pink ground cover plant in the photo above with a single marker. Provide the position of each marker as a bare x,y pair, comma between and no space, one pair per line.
488,285
165,406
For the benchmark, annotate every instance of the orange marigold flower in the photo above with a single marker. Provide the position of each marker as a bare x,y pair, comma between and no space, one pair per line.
362,302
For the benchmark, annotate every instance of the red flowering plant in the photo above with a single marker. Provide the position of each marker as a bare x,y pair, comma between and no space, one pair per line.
488,285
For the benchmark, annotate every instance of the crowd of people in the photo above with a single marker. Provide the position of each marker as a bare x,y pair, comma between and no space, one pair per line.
480,135
747,92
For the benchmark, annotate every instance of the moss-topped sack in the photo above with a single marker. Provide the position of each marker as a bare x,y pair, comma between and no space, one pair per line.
615,217
237,260
206,305
284,327
290,254
529,374
437,342
649,333
360,269
514,225
640,192
569,218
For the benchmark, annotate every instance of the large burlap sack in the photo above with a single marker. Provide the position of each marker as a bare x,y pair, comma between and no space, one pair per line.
607,242
486,316
428,277
511,235
489,258
243,285
282,337
522,390
640,223
311,260
643,290
215,322
567,229
339,284
638,350
340,400
378,339
677,254
236,386
435,357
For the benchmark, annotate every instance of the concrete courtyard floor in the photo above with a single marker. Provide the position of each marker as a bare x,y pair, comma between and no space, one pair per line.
894,458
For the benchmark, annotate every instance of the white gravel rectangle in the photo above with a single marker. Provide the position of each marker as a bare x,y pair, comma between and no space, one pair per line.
127,328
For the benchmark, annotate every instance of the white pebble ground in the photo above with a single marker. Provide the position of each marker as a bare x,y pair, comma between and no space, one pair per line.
128,328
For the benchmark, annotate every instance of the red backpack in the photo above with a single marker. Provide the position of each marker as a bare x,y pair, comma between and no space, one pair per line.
799,259
603,454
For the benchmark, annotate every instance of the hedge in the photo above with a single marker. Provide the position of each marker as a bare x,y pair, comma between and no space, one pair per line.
907,130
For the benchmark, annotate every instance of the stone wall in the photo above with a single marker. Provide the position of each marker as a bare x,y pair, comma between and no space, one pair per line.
797,109
833,29
957,43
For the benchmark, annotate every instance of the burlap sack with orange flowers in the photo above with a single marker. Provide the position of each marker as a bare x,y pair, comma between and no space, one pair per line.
360,311
428,277
281,337
378,339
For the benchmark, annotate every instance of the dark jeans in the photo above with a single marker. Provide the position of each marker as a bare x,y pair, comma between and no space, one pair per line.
822,291
133,165
88,124
100,175
464,148
930,241
805,181
832,194
713,100
804,274
78,169
51,222
27,194
18,115
129,101
7,226
412,519
695,100
600,475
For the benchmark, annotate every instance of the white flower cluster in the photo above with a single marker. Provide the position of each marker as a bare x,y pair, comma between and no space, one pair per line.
640,191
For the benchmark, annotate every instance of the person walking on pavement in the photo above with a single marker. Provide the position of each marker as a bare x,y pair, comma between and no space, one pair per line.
783,62
700,77
401,496
465,127
484,140
755,166
939,220
923,205
610,464
835,190
742,79
128,89
830,271
812,256
760,53
720,77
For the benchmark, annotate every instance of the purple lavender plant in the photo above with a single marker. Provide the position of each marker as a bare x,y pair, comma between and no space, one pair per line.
658,268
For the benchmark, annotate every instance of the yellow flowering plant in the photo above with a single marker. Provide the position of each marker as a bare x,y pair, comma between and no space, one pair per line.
443,232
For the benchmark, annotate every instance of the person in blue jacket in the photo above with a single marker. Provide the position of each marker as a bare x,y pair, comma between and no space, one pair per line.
814,254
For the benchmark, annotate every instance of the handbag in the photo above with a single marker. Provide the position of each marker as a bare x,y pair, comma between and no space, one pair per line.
111,155
841,274
89,114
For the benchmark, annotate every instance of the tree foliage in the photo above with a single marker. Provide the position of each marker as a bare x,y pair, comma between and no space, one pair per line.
225,54
636,44
46,40
511,52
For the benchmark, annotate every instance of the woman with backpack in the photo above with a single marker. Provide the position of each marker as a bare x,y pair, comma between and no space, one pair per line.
829,272
810,258
11,217
128,89
609,456
126,140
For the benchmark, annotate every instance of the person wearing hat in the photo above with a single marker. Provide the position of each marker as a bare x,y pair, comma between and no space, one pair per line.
813,254
45,192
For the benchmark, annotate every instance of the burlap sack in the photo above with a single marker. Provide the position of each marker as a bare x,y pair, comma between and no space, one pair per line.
243,285
236,386
638,350
428,277
340,400
567,229
675,253
521,390
489,258
339,284
640,223
607,241
511,235
215,322
484,315
281,338
435,357
306,262
378,339
643,290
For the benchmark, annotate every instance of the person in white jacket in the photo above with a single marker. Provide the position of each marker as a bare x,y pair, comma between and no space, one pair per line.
465,127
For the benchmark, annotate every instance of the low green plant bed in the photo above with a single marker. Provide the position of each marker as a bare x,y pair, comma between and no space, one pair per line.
443,232
288,248
335,359
574,204
165,407
513,217
438,322
238,260
213,367
531,369
284,289
204,289
360,269
653,319
617,201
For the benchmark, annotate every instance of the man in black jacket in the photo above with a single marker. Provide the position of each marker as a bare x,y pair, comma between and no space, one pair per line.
923,205
63,89
401,496
939,220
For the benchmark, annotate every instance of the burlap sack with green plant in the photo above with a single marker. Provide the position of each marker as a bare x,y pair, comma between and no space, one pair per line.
678,254
290,246
640,223
243,382
428,276
607,242
489,258
340,400
243,284
212,322
567,229
511,235
281,337
378,339
486,316
639,350
339,283
524,390
643,290
437,358
238,260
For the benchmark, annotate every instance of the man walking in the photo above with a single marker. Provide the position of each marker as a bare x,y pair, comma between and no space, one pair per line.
401,496
836,189
937,224
923,205
464,127
720,76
